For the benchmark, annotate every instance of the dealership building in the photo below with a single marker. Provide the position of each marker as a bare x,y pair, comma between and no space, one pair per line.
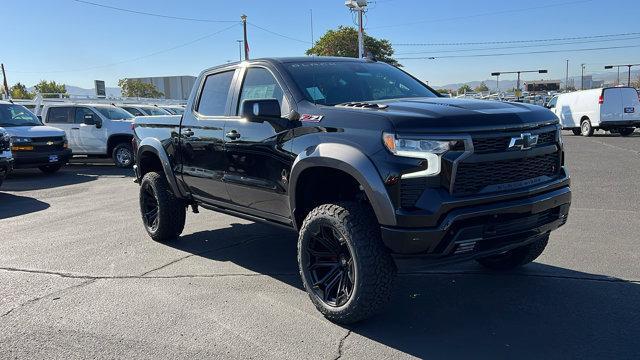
173,87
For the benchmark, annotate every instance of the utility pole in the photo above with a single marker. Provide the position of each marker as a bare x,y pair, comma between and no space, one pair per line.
566,78
6,86
582,66
240,48
311,20
360,7
497,75
244,30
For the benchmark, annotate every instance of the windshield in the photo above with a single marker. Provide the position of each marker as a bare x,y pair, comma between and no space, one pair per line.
332,83
114,113
174,110
152,110
17,115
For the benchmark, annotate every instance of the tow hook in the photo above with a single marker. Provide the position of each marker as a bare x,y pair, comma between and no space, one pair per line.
194,208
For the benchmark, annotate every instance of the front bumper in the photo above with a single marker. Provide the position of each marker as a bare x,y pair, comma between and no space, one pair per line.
32,159
484,229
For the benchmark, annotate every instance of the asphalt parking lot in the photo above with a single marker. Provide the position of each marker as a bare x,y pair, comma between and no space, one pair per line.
80,278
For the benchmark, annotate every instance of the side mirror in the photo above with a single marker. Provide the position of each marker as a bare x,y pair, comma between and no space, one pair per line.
260,110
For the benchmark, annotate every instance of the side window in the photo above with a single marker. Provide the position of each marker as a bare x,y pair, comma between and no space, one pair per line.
215,93
60,115
81,112
260,84
133,111
552,103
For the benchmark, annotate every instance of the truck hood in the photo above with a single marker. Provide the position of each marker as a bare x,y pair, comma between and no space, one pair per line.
458,115
34,131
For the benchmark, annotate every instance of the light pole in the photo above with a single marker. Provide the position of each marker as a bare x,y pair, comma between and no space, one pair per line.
582,67
518,72
360,7
244,31
497,75
240,48
566,78
629,66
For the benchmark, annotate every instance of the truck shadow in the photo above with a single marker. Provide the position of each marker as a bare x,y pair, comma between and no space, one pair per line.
14,205
34,179
463,311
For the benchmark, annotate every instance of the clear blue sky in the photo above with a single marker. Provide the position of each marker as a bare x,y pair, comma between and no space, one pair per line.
70,42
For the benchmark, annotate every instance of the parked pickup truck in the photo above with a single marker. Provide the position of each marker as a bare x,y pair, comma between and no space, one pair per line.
95,130
6,158
369,165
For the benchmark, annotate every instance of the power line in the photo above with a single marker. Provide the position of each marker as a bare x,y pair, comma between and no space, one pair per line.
434,57
518,41
500,12
517,47
152,14
136,58
278,34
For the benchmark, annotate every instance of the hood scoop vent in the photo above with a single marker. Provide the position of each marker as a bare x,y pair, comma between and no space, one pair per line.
363,105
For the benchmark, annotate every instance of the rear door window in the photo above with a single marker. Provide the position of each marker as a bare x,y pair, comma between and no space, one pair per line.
81,112
61,115
215,94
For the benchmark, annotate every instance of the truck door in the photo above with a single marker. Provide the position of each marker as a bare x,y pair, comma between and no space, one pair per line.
611,108
92,138
63,118
258,166
630,104
203,161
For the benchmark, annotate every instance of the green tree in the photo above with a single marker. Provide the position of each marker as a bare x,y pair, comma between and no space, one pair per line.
482,87
444,91
19,91
136,88
50,87
344,42
464,89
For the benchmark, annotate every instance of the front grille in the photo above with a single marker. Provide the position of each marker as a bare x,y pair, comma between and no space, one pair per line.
410,191
473,177
44,144
493,144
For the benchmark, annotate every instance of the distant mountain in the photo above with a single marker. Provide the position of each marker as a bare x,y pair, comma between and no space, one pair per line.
78,91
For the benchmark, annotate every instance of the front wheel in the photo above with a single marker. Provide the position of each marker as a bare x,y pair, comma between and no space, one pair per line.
516,257
163,215
345,268
50,169
123,155
626,131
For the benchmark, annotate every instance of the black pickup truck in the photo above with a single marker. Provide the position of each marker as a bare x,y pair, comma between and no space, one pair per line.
368,164
6,158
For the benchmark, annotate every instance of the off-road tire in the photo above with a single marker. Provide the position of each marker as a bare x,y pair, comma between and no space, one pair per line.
120,162
49,169
516,257
626,131
171,211
374,268
576,132
585,128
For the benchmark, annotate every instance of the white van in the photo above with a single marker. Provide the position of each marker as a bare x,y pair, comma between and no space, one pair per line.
615,109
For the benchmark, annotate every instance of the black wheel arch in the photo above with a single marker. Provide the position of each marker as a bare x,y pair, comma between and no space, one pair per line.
116,139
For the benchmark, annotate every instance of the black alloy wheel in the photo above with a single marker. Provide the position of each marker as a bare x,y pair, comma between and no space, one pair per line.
150,207
330,266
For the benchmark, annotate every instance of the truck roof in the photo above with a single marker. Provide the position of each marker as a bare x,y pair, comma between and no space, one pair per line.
294,59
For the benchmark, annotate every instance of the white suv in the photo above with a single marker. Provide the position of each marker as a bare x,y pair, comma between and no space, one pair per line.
94,129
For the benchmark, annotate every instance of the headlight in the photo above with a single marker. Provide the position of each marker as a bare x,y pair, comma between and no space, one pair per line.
430,150
20,140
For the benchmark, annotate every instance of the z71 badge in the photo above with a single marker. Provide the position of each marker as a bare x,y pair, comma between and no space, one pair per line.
310,118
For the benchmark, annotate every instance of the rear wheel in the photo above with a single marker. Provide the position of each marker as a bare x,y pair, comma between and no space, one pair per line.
585,128
123,155
49,169
576,132
345,268
626,131
516,257
163,215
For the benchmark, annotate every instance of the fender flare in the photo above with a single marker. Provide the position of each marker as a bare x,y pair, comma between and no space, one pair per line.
154,146
353,162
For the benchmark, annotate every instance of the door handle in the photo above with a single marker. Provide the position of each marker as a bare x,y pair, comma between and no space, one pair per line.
75,128
188,132
233,135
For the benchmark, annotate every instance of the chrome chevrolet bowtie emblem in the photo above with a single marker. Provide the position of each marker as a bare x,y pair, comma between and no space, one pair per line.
524,141
49,143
